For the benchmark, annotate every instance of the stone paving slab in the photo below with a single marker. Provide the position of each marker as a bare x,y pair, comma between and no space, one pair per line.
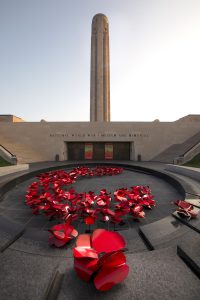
189,250
25,276
9,226
195,202
193,173
9,232
166,232
134,243
13,169
192,223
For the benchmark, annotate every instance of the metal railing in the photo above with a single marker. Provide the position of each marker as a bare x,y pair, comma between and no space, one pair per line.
7,155
188,155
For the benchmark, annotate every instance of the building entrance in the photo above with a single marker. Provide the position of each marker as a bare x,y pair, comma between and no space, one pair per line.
98,151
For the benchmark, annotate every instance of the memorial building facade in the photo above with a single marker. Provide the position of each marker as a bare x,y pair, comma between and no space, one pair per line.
99,139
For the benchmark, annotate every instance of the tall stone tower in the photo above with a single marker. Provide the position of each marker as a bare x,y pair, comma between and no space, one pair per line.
100,70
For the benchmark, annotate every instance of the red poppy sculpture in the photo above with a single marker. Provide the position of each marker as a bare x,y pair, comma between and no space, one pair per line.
186,210
101,256
61,234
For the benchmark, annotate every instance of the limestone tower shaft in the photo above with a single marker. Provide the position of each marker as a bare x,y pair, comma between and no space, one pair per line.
100,70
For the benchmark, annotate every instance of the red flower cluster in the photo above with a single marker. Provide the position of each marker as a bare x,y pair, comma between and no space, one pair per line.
133,201
186,209
101,255
49,196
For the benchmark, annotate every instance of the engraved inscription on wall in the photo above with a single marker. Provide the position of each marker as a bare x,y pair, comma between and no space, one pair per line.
85,135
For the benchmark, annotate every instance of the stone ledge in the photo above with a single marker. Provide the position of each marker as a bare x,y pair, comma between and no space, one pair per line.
193,173
13,169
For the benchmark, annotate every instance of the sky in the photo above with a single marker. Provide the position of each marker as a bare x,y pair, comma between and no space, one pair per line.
154,58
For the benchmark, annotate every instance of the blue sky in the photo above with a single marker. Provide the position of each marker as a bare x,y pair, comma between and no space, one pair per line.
45,58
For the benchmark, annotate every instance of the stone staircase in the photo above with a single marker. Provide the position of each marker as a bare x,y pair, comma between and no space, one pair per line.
176,150
23,152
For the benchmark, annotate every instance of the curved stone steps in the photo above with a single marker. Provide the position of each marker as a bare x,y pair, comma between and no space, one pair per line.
165,232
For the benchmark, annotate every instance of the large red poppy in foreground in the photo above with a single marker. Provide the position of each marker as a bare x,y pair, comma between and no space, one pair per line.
101,256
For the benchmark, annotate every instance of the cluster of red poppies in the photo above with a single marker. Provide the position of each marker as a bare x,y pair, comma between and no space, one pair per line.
48,196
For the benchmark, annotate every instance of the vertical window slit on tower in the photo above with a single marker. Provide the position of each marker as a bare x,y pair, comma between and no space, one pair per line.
104,71
96,50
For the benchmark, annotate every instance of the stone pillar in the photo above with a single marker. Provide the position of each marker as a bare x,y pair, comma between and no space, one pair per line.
100,70
132,151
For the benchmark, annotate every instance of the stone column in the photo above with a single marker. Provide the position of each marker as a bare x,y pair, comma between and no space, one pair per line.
100,70
132,151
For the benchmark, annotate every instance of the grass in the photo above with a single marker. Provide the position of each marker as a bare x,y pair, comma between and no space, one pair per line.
195,162
3,162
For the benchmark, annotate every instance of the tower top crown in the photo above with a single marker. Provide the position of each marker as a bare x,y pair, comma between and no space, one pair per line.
98,16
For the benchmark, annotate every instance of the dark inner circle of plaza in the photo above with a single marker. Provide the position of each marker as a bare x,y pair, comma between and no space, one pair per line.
163,192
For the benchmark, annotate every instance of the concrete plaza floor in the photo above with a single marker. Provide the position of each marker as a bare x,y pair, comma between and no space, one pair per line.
31,269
